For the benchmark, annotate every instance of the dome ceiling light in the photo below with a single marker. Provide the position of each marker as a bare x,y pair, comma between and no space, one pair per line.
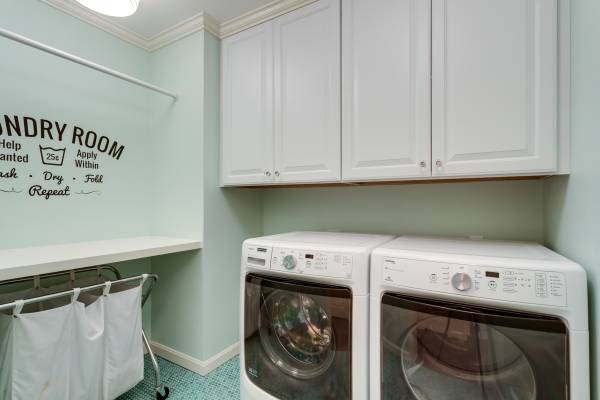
113,8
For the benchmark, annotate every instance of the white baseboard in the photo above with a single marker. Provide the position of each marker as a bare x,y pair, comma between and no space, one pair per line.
193,364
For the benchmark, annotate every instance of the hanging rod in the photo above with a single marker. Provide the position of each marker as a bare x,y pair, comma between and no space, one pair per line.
10,306
82,61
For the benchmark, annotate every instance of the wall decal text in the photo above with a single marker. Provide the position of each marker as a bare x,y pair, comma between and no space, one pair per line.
40,158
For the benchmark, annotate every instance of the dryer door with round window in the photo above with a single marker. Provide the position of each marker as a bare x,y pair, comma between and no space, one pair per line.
440,350
297,341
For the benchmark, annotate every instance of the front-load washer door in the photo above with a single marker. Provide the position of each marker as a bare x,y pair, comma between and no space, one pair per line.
297,338
432,350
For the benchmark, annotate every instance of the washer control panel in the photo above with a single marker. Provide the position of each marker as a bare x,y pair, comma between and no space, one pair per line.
520,285
317,263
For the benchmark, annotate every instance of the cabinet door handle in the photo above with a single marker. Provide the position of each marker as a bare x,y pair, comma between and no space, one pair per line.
276,173
423,164
268,173
438,163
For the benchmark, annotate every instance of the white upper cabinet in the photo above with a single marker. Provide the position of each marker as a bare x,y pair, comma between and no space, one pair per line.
494,87
307,94
281,99
247,107
386,89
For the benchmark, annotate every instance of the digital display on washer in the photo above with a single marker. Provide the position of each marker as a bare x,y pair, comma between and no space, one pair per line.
309,256
491,274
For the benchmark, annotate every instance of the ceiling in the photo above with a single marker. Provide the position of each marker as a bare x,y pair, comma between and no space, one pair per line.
155,16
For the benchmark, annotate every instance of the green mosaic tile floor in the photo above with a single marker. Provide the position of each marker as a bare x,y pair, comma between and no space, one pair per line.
221,384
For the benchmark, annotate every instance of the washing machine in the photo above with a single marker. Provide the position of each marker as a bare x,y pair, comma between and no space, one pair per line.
304,316
457,319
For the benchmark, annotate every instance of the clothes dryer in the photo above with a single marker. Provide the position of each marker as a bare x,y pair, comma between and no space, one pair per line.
458,319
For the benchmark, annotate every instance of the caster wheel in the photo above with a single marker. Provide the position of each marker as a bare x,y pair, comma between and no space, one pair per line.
160,396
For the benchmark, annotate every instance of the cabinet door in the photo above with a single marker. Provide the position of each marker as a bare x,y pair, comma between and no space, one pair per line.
307,94
247,107
386,105
494,87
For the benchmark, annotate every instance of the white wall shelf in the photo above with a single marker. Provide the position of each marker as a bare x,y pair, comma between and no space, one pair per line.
28,261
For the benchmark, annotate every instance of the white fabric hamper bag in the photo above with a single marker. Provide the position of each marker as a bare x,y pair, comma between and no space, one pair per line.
124,356
73,352
34,357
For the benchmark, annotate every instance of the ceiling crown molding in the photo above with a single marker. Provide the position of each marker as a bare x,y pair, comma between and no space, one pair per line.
195,23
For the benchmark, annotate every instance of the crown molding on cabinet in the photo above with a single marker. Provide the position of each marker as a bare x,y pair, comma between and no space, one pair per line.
260,15
195,23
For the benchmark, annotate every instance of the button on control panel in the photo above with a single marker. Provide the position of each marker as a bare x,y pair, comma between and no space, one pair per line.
519,285
307,262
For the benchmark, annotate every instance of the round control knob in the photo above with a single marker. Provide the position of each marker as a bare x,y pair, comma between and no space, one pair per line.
461,281
289,262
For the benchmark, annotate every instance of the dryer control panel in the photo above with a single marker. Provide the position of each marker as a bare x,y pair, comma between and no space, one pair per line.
509,284
316,263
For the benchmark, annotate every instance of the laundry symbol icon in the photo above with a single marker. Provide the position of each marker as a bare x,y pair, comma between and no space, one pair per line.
52,156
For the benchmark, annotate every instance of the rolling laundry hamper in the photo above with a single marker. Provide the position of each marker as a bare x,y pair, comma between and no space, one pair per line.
67,342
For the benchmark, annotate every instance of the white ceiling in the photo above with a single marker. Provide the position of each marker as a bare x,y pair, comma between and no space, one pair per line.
154,16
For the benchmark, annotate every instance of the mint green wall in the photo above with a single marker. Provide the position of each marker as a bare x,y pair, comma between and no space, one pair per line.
573,202
176,134
503,209
177,164
195,306
36,84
